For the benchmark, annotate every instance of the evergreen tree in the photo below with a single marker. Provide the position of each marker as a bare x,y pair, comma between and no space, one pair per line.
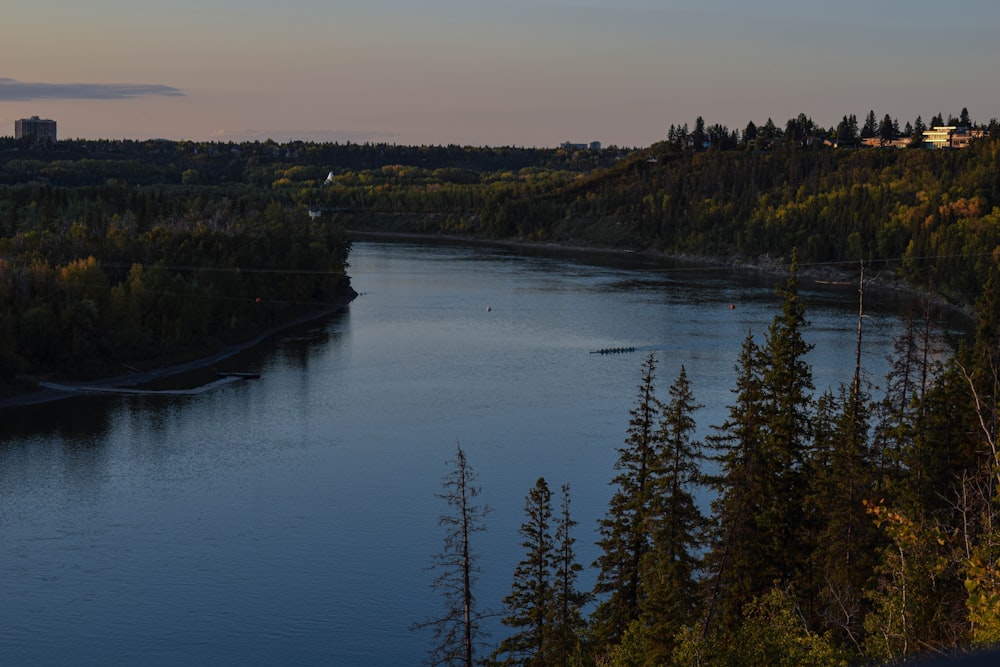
978,490
930,574
737,570
698,135
847,130
981,363
918,129
567,618
625,531
760,538
842,479
787,384
799,128
669,591
769,132
530,607
870,128
457,632
900,412
887,130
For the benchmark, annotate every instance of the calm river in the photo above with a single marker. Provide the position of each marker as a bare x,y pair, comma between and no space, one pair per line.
290,520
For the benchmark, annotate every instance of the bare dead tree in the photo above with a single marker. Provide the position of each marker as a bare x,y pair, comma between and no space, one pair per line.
457,631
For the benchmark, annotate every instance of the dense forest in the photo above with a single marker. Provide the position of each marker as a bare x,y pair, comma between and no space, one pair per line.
119,255
108,278
846,528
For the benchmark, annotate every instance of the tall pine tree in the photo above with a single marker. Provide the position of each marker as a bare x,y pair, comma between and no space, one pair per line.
842,478
787,384
544,603
734,567
625,530
760,538
668,585
531,604
568,623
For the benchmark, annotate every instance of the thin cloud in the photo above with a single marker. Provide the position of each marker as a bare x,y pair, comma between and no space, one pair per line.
12,90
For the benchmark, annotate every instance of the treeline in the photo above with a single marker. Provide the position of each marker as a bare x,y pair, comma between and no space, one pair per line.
845,528
801,130
72,163
93,280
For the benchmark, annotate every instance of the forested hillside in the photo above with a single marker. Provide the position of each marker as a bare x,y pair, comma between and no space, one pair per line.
928,218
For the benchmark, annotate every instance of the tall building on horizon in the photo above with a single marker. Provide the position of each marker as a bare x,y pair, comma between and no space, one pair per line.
41,129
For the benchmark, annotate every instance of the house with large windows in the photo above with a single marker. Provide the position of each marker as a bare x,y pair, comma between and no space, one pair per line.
951,136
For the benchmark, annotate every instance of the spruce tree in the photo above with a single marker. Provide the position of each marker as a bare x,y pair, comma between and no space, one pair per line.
787,385
917,135
567,623
544,604
887,130
842,480
668,586
760,538
870,128
530,605
736,570
976,518
898,413
625,532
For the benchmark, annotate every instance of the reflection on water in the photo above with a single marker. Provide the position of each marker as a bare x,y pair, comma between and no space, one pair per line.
85,419
290,519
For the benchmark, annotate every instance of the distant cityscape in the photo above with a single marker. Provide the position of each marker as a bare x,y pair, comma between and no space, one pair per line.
940,136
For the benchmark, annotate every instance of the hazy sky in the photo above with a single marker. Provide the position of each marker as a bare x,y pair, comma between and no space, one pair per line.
486,72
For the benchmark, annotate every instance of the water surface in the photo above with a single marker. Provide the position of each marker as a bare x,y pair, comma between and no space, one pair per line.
290,519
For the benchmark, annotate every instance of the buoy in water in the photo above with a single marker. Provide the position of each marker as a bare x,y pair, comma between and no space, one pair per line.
488,309
732,306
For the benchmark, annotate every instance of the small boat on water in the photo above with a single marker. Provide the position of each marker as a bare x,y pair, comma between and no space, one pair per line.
614,350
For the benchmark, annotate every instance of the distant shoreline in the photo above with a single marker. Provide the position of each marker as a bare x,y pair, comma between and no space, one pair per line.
135,379
826,274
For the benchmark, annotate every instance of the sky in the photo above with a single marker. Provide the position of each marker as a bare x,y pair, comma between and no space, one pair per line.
486,72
